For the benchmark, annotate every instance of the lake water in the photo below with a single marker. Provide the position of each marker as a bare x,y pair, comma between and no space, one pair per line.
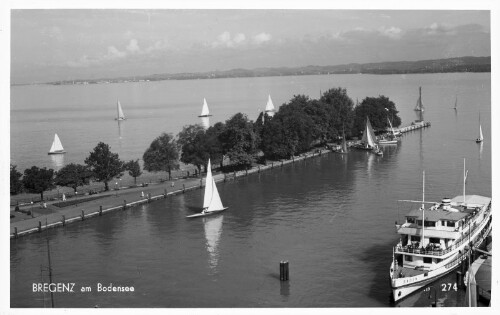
331,217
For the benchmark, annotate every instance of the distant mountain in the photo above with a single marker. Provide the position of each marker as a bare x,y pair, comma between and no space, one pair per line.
459,64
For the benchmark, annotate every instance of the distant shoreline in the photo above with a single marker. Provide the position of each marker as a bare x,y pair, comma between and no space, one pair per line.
450,65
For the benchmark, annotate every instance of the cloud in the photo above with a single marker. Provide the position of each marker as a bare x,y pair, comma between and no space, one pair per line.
114,53
224,40
133,46
261,38
392,32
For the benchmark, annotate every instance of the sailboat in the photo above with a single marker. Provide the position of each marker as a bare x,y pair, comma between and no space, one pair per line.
343,148
419,106
204,110
120,115
393,139
480,138
270,111
368,142
211,201
56,147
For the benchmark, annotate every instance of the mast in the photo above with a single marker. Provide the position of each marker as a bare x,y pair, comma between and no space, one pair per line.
465,179
423,208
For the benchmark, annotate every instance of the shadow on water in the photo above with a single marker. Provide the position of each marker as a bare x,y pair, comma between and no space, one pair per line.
378,259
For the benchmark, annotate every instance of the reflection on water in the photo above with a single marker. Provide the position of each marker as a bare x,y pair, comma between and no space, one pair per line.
205,122
120,129
480,151
57,161
213,231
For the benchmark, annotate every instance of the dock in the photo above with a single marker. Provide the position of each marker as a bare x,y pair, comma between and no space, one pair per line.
414,126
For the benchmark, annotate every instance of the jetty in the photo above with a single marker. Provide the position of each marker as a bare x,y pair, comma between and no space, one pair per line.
102,203
419,124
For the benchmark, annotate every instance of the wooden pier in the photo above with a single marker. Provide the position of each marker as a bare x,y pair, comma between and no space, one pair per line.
413,126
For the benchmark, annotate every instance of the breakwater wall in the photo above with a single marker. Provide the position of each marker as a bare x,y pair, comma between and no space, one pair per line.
79,214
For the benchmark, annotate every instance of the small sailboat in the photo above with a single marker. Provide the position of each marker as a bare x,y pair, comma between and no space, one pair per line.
419,106
211,201
343,147
368,141
480,138
56,147
120,116
204,110
270,111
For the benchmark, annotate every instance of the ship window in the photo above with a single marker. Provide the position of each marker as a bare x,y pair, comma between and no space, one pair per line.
415,238
410,220
434,240
408,258
450,223
419,222
430,223
427,260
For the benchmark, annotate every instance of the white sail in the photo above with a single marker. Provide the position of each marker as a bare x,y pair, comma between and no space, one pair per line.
56,145
270,107
480,138
120,115
204,109
368,135
211,200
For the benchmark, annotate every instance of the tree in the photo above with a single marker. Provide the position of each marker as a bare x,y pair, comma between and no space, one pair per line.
377,109
340,109
73,175
134,169
162,155
104,164
37,180
188,134
239,140
16,184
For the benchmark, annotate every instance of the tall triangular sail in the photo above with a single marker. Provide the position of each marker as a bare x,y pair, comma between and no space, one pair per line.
204,110
120,115
419,106
480,138
56,146
392,129
369,138
211,200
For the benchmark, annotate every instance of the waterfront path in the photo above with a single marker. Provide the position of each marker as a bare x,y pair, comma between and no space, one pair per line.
98,204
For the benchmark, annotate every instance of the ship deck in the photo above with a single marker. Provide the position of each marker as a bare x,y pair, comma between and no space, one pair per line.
405,272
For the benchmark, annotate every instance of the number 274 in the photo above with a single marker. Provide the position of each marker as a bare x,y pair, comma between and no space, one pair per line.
448,286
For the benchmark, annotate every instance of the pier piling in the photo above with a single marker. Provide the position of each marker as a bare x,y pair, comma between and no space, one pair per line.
284,271
39,226
100,210
63,221
15,232
124,204
83,215
184,188
165,194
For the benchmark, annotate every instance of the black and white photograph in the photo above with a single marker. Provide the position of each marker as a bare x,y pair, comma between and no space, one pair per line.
199,157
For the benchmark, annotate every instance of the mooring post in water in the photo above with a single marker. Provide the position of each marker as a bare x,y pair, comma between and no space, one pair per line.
100,210
39,226
15,232
63,221
224,178
284,271
183,188
83,215
165,193
149,197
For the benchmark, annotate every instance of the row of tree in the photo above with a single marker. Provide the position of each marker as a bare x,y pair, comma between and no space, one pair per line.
299,125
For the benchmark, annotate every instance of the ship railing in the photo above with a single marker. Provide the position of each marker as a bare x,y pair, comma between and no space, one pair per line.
461,241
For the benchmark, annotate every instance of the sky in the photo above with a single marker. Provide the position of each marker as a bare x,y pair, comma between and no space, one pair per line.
66,44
